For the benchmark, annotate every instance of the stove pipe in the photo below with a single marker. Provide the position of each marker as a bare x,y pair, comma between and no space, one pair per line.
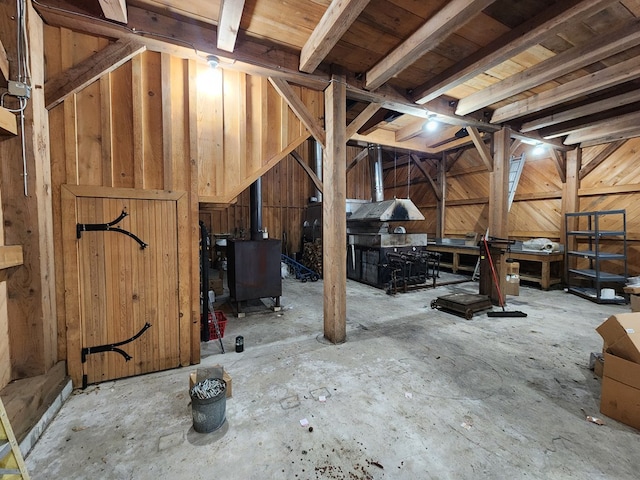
375,172
317,156
255,207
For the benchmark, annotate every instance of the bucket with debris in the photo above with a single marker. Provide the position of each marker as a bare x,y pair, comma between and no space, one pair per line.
208,404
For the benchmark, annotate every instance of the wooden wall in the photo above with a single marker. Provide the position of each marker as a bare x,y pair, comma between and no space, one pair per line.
27,309
286,189
537,210
160,123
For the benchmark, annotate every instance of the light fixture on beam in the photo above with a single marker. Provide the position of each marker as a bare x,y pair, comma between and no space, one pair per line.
539,149
213,61
432,123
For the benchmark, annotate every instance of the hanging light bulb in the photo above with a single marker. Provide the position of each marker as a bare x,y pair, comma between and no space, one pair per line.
432,124
213,61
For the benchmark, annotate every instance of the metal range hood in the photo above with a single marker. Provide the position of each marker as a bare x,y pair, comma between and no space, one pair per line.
396,210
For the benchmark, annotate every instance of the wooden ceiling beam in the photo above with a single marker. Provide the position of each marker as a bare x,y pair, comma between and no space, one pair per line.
372,122
337,19
299,108
582,111
612,137
597,49
114,10
482,148
566,128
229,18
623,125
409,131
187,40
79,76
594,82
362,118
390,99
550,21
445,22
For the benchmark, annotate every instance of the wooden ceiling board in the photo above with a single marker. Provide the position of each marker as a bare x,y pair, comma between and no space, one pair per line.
512,13
202,10
633,6
273,32
456,47
491,29
421,8
392,19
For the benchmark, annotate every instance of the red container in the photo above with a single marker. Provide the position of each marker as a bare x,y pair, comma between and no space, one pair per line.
222,323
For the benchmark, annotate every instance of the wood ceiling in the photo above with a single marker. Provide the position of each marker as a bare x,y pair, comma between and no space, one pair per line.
565,72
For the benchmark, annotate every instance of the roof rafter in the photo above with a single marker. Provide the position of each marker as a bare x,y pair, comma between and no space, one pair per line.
114,10
362,118
607,130
582,111
594,82
598,48
337,19
446,21
530,33
229,23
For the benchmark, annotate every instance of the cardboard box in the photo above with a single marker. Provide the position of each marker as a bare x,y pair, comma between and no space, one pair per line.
216,285
620,397
596,363
621,335
635,302
214,372
512,285
471,239
635,289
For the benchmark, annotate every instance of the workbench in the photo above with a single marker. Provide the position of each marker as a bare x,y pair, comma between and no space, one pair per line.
542,268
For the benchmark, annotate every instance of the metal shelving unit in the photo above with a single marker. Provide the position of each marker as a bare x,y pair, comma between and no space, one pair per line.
604,234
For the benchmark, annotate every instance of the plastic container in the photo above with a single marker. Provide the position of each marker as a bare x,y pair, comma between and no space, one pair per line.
607,294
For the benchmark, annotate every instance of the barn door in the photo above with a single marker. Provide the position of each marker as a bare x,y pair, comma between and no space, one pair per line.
128,287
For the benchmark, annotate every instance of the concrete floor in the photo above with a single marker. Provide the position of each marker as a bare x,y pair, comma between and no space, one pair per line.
414,393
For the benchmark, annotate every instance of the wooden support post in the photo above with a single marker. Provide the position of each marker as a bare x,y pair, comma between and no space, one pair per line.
499,199
334,207
499,186
442,198
570,199
28,219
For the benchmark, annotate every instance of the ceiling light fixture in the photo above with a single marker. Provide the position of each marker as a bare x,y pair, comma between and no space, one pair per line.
539,149
432,124
213,61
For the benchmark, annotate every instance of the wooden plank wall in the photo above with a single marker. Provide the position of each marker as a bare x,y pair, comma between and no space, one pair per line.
27,310
537,208
286,189
163,123
245,128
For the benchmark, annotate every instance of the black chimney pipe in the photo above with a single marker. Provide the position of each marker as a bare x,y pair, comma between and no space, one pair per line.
255,206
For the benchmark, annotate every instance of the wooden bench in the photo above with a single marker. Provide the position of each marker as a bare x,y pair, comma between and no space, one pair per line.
535,267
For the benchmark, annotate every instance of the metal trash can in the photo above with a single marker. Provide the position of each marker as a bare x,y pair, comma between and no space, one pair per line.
208,405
